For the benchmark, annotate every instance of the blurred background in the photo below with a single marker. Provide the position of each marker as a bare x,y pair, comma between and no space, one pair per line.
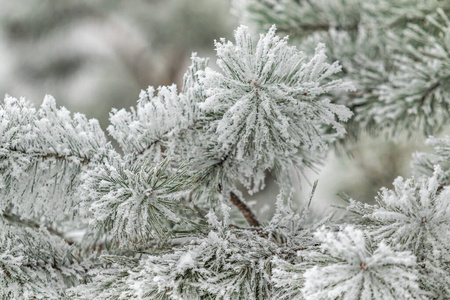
93,55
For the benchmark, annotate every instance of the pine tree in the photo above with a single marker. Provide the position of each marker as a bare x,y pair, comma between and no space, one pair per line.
164,216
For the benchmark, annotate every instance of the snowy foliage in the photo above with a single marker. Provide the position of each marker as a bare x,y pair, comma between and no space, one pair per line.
166,217
420,82
42,154
132,203
225,264
300,18
353,268
423,163
146,129
35,263
153,118
415,216
396,53
268,102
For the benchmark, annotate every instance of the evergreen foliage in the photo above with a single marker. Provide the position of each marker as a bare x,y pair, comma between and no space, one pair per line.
36,263
395,53
423,163
43,153
415,216
267,103
353,268
164,217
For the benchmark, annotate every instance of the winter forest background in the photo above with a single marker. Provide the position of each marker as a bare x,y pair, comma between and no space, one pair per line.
311,133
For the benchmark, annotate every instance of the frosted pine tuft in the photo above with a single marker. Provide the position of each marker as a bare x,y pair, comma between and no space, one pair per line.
157,117
35,263
45,147
423,163
415,216
133,203
354,267
270,101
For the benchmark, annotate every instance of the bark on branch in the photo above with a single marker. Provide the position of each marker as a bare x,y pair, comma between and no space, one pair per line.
245,210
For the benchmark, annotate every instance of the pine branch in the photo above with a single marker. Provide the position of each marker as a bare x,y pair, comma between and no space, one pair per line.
428,92
30,223
245,210
82,160
164,137
302,28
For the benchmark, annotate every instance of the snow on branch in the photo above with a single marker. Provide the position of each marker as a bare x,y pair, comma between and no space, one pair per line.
417,94
133,203
353,267
415,217
268,102
36,264
44,148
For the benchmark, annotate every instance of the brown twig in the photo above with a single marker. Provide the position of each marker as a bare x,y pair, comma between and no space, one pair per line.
6,271
245,210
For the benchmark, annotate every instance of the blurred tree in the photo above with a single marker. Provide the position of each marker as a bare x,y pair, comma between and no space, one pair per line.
95,55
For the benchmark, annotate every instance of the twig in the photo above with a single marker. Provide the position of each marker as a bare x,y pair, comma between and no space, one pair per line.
428,92
83,160
295,31
164,136
245,210
33,224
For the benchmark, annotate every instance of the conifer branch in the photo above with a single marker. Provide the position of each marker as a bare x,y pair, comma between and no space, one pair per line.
269,107
82,160
245,210
301,29
428,92
33,224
